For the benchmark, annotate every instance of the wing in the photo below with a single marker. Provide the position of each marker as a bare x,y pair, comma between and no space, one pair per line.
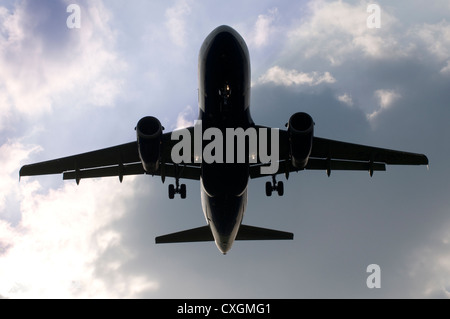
325,148
121,160
331,155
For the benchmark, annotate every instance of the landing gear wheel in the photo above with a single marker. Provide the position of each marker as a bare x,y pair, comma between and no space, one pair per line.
171,191
274,186
280,189
269,189
183,191
177,188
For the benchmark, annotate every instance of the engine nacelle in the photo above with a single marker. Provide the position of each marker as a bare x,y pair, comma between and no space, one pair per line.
301,134
149,137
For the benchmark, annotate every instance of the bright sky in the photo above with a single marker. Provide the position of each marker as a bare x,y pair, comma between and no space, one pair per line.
66,91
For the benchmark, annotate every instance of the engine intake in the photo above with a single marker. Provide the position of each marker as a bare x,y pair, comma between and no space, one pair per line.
301,134
149,136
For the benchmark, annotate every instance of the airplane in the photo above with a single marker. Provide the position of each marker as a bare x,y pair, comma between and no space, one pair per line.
224,102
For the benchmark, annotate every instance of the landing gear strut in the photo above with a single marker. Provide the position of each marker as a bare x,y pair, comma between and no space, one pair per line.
274,186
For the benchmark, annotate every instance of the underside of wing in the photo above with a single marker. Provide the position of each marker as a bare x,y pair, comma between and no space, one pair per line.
121,160
108,157
325,148
329,155
322,165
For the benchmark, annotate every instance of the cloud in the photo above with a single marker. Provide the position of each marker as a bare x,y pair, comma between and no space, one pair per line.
64,244
263,28
12,153
385,100
176,22
44,62
337,30
60,242
435,38
429,266
184,119
387,97
446,69
280,76
346,99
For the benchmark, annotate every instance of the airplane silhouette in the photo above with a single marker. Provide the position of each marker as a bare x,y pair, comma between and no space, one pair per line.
224,107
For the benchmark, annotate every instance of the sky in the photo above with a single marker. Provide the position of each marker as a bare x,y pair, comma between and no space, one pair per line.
65,91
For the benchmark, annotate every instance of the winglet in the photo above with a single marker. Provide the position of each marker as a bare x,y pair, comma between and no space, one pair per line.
21,172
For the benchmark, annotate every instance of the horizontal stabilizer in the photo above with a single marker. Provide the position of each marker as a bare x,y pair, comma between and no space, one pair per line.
257,233
187,236
204,234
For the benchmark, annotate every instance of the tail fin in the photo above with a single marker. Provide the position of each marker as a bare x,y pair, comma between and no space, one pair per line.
204,234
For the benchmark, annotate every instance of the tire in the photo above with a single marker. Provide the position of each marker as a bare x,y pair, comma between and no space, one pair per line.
171,191
269,189
280,188
183,191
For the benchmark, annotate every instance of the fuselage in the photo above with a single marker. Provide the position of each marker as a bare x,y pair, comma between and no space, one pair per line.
224,102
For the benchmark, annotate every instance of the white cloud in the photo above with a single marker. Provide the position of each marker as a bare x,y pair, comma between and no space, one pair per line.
263,28
429,266
12,153
334,30
176,22
41,68
387,97
385,100
280,76
435,37
58,246
346,99
184,119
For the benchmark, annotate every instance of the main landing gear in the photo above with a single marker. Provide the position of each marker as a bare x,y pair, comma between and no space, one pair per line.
274,186
177,189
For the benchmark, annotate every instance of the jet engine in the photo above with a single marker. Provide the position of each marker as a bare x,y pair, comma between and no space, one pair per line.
149,137
301,133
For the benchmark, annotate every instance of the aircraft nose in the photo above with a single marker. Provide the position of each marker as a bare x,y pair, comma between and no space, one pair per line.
226,32
225,42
